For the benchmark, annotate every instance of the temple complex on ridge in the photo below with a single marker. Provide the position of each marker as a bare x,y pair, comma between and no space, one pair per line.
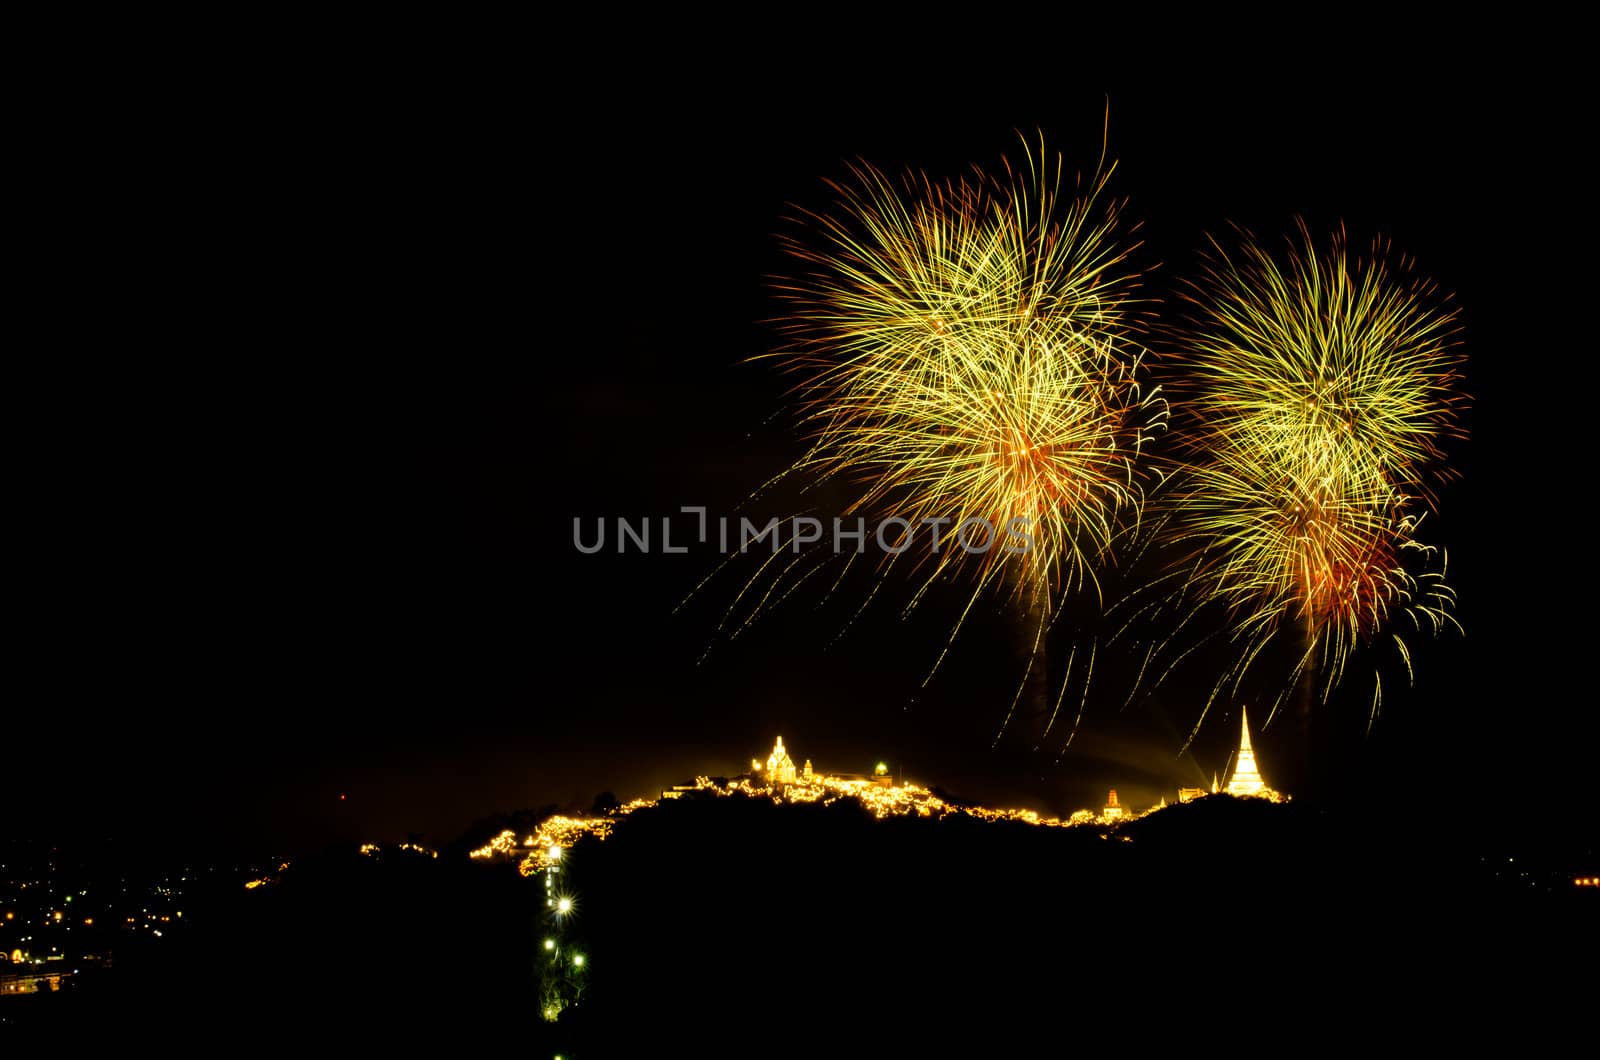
779,769
780,775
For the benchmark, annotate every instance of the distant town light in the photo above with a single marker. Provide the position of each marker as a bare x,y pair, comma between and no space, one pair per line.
577,962
564,905
549,944
555,853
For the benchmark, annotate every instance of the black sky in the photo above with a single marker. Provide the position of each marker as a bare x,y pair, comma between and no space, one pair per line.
324,373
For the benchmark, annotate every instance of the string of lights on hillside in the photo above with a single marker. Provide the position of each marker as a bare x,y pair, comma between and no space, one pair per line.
562,975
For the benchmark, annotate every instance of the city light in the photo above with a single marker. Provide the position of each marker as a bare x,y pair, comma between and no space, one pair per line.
504,843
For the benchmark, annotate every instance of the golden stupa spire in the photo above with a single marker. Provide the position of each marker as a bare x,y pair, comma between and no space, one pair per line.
1246,778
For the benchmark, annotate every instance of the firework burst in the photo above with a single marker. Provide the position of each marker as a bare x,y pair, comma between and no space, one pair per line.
965,357
1321,387
964,352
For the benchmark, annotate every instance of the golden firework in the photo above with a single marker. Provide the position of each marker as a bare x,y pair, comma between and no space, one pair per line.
1321,387
966,359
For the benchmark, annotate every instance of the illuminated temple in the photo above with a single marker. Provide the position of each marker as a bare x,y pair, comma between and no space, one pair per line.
780,767
1246,778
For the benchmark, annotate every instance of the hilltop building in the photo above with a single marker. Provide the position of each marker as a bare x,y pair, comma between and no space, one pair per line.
1245,780
780,767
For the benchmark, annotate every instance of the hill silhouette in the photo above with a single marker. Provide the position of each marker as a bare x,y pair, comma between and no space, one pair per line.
704,914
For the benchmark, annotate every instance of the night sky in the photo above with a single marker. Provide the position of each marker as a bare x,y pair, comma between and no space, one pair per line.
330,372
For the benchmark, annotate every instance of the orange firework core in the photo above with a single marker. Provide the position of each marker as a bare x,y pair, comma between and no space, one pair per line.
1345,575
1039,471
